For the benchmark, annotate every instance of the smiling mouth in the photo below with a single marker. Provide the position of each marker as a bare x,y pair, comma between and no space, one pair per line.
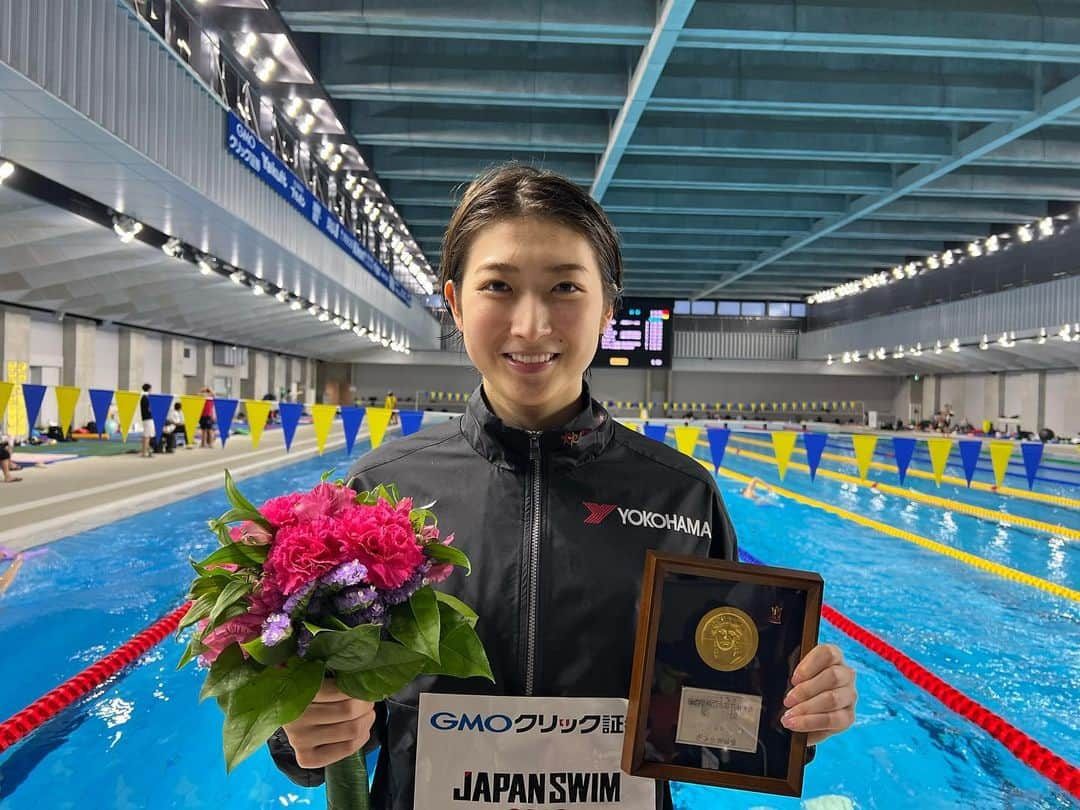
530,359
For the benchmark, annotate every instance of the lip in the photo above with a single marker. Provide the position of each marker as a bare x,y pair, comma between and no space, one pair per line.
531,368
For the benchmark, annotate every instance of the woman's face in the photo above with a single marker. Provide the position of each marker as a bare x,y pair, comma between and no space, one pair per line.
531,309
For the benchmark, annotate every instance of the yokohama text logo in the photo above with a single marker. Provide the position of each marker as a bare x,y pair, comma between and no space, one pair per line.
645,519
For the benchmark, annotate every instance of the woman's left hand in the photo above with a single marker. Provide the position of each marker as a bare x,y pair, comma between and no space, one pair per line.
822,701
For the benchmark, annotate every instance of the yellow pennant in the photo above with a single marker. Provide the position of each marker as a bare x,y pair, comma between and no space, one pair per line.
686,439
783,442
126,403
191,406
633,426
939,456
258,411
5,394
864,453
378,419
322,416
66,398
999,457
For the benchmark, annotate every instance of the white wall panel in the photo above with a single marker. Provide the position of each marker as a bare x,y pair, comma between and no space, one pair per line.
1021,398
46,343
1063,403
107,358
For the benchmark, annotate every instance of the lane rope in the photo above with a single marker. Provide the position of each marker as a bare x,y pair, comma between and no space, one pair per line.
1057,500
1019,744
52,703
1052,529
970,559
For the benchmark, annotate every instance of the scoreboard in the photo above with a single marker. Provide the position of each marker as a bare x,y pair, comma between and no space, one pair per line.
639,336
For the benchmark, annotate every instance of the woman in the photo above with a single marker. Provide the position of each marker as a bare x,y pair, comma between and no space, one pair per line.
206,419
531,274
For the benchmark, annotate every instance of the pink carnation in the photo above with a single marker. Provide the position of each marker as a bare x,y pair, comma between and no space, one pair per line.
325,500
381,537
279,511
440,571
250,533
301,553
239,629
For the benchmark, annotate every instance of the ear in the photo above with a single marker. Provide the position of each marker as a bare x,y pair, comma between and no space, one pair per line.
451,297
609,314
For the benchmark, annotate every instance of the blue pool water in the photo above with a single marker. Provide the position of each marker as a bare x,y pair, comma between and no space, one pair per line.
141,740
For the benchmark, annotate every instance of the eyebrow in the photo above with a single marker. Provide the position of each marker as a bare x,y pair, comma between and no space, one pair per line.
506,267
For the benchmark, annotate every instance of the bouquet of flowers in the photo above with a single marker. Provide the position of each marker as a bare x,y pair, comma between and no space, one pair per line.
326,583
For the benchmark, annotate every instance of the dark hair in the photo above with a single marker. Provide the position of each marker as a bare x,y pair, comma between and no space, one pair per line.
146,386
513,190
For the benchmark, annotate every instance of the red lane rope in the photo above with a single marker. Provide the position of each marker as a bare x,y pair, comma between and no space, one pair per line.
49,705
1022,746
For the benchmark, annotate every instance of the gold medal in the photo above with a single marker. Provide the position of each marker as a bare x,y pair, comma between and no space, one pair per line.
726,639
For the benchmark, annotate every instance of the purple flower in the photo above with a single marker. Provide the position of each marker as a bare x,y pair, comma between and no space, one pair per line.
408,588
276,629
376,614
303,639
354,598
348,573
298,601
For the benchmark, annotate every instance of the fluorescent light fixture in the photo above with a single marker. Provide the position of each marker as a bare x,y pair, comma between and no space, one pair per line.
237,277
933,262
975,250
7,168
294,106
1046,226
947,258
992,244
306,124
324,316
281,296
1025,234
937,347
173,248
206,265
1041,339
954,344
126,227
266,69
296,305
247,44
984,344
829,360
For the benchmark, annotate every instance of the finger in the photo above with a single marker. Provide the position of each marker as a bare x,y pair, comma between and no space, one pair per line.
328,693
318,714
820,658
358,729
326,754
827,721
830,700
832,678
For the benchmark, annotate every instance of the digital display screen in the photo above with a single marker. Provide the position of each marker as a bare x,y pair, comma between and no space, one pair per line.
640,335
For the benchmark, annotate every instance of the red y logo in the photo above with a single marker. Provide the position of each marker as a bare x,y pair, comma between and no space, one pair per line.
598,511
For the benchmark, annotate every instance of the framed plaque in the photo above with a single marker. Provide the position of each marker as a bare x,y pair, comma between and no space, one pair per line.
717,643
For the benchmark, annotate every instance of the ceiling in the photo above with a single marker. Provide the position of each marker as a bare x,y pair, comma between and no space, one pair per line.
759,149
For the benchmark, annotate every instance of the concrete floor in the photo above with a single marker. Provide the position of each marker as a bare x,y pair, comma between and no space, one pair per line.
66,497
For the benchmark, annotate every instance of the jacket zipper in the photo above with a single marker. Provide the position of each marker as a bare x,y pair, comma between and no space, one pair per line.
534,561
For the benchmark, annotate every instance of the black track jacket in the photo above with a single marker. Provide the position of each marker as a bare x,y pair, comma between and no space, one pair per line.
556,524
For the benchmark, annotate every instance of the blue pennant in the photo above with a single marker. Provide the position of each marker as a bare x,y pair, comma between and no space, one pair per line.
657,432
904,448
718,439
225,409
290,418
159,410
33,395
1032,456
815,445
969,454
100,400
410,421
351,416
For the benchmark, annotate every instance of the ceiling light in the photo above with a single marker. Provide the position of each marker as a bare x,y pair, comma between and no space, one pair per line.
237,277
829,360
266,69
984,344
1046,226
992,244
917,351
1063,333
937,347
258,289
206,265
932,262
975,250
247,44
1041,339
350,181
326,150
1025,234
281,296
173,248
126,227
296,305
846,357
337,320
954,344
307,124
295,105
947,258
346,326
7,168
314,310
385,342
324,316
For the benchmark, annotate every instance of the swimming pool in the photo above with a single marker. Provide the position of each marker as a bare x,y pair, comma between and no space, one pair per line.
141,740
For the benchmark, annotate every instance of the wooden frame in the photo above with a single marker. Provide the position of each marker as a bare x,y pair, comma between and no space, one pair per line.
658,567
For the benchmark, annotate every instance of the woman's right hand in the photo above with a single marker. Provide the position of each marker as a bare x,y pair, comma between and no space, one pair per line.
333,727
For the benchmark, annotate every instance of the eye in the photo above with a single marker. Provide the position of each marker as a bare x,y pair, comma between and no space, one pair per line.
567,287
495,286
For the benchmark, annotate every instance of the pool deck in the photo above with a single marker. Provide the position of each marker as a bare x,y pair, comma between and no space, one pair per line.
75,495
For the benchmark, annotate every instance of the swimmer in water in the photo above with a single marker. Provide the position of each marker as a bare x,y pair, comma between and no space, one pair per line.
9,576
748,492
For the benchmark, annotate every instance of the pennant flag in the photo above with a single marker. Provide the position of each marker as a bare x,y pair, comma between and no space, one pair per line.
410,421
191,406
815,446
634,427
159,410
66,398
258,411
969,455
718,439
126,403
33,396
225,409
783,442
999,457
904,448
686,438
351,416
100,400
290,418
377,420
656,432
864,452
323,418
1032,456
5,394
939,456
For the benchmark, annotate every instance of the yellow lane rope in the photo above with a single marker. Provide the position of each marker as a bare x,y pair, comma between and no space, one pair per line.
1028,495
892,531
944,503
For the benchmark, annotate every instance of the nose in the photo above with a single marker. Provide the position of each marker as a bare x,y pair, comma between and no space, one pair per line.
531,320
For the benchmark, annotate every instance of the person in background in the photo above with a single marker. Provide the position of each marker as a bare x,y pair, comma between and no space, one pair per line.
174,423
390,403
206,419
6,462
147,416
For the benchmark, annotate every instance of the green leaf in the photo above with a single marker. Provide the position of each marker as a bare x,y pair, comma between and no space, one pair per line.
236,554
201,609
392,668
461,653
458,606
278,695
418,517
326,475
346,650
228,673
448,554
269,656
416,623
230,595
194,648
241,503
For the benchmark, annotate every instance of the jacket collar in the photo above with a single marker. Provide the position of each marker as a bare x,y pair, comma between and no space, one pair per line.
579,440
